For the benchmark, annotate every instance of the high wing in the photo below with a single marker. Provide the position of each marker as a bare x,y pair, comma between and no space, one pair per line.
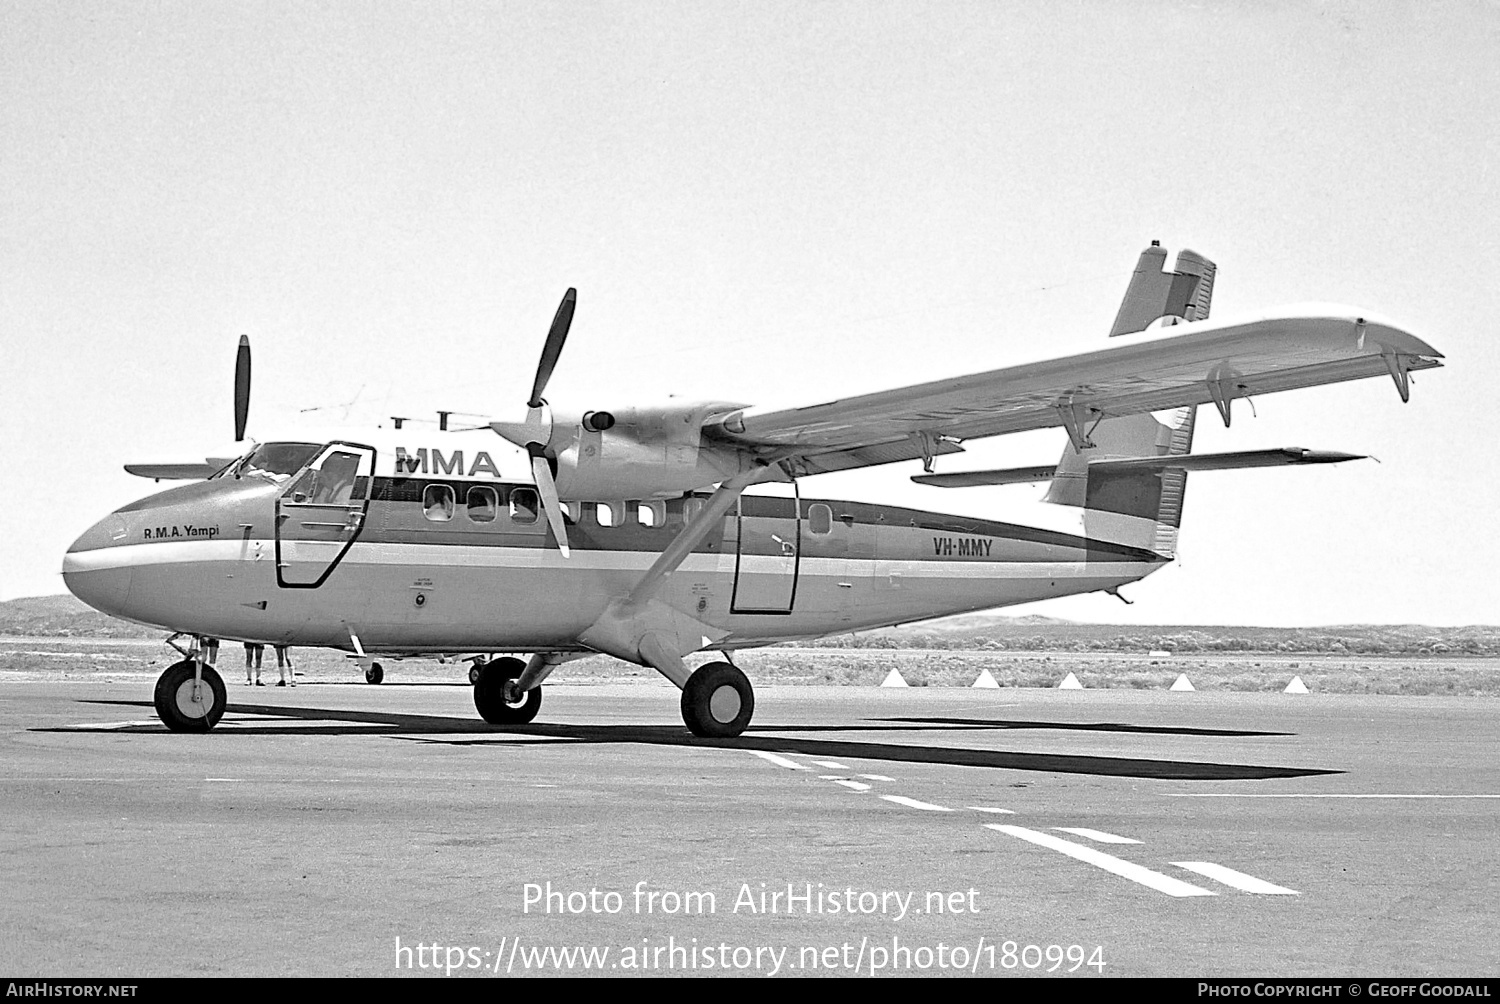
1191,364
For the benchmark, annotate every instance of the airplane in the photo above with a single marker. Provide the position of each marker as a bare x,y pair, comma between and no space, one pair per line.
627,529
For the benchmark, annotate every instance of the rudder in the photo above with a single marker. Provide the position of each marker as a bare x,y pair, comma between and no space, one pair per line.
1140,508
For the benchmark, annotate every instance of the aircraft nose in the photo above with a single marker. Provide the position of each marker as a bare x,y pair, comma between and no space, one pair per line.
90,571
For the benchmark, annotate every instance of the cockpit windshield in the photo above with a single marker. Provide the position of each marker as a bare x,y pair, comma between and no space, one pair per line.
277,461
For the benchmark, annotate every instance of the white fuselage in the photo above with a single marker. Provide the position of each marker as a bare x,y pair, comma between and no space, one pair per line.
440,550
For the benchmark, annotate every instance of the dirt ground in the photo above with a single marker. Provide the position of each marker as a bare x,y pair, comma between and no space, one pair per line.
44,659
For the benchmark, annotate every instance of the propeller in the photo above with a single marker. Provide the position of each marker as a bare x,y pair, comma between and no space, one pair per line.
241,388
535,433
556,336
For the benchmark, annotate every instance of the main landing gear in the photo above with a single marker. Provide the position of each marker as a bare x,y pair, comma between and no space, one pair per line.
375,673
496,696
717,702
190,697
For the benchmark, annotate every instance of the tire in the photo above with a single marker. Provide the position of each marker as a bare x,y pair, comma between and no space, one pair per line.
717,702
474,673
489,694
375,673
174,698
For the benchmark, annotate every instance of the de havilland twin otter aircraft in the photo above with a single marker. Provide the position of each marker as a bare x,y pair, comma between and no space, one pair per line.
626,529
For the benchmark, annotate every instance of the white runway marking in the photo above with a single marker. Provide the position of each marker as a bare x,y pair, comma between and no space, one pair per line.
852,785
113,725
914,804
831,764
779,761
276,723
1235,794
1110,863
991,808
1239,880
876,777
1098,836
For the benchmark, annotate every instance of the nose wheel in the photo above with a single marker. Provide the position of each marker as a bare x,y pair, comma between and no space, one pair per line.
717,702
496,698
186,704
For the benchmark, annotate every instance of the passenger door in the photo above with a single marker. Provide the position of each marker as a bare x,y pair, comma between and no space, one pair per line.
768,554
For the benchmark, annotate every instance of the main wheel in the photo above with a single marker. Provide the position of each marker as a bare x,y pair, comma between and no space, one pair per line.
375,673
490,698
187,707
717,702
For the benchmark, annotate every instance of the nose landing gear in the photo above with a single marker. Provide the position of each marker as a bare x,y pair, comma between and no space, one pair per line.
188,700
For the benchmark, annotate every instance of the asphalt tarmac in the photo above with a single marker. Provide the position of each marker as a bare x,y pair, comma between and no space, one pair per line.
342,829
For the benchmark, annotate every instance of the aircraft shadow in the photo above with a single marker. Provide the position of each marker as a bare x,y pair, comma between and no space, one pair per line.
998,723
423,729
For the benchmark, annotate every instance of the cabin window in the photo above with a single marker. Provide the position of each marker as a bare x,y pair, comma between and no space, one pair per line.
437,503
603,514
483,502
652,514
819,518
523,505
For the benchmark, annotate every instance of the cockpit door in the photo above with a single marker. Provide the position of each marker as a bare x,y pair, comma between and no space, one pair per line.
321,514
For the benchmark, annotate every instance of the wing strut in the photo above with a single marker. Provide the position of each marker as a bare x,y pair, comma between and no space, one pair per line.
642,629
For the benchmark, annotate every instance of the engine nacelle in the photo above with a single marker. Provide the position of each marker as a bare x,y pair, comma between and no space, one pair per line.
656,451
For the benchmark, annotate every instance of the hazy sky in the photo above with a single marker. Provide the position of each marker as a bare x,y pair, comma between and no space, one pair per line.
763,202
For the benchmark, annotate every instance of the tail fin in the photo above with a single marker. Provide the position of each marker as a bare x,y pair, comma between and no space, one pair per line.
1183,294
1141,508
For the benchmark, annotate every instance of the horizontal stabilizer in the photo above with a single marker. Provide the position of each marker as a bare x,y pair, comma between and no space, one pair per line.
976,479
178,472
1188,462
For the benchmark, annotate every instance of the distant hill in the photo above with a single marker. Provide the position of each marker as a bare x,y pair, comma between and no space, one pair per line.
996,632
67,617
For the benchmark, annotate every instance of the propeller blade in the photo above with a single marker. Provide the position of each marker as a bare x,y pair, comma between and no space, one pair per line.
542,472
554,346
241,388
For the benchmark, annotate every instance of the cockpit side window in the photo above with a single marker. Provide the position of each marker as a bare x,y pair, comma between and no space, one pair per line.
336,478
